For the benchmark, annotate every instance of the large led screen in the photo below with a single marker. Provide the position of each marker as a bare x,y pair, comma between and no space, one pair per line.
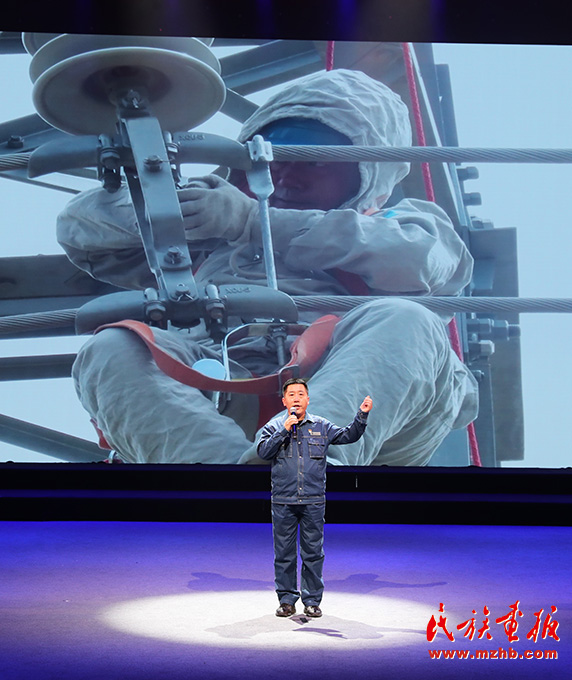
356,272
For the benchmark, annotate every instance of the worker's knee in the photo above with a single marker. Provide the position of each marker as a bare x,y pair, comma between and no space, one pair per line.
112,345
399,310
390,320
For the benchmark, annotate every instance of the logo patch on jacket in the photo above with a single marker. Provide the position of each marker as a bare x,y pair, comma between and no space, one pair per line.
314,434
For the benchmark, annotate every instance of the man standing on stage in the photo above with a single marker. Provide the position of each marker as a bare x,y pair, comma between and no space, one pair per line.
296,444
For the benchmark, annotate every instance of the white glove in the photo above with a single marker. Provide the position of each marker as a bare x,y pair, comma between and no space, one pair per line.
213,208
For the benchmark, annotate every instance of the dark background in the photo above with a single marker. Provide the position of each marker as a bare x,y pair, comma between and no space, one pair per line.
500,21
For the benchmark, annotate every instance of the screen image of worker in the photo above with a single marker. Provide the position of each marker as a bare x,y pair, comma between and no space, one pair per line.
333,235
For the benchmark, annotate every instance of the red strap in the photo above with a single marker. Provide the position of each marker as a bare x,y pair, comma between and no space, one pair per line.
306,351
102,441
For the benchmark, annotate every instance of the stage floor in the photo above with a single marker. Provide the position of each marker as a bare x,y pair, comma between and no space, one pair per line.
146,601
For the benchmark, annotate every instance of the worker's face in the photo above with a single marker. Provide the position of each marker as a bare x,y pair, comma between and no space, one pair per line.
296,396
313,186
308,186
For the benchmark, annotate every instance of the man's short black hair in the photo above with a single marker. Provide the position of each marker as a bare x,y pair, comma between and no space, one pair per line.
295,381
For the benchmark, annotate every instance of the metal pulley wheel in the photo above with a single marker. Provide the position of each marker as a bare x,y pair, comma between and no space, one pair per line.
78,78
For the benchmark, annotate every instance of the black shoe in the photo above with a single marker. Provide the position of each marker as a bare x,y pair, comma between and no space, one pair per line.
313,610
286,609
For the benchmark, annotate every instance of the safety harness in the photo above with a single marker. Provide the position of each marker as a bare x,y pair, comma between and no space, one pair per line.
305,353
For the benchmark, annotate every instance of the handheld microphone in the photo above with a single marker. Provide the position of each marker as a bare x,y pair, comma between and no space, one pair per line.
293,413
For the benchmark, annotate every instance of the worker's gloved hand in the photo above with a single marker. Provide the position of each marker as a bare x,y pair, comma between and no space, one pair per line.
213,208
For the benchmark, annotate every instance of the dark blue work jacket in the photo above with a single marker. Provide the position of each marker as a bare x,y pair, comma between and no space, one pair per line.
299,461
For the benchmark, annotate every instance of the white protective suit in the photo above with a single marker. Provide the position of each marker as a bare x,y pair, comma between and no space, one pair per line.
396,351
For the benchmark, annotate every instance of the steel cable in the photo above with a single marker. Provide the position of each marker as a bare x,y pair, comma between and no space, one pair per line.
14,161
354,154
426,153
333,303
443,304
22,323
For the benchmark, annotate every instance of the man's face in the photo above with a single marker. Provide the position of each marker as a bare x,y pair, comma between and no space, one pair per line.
307,186
313,186
296,396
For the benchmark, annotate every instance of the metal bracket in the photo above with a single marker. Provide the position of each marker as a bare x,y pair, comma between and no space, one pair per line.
260,184
157,207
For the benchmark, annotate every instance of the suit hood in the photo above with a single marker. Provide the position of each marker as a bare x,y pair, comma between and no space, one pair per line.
353,103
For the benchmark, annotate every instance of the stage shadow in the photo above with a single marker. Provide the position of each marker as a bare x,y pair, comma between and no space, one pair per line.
334,627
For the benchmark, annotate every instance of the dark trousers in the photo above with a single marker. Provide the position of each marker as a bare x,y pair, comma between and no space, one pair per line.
285,522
